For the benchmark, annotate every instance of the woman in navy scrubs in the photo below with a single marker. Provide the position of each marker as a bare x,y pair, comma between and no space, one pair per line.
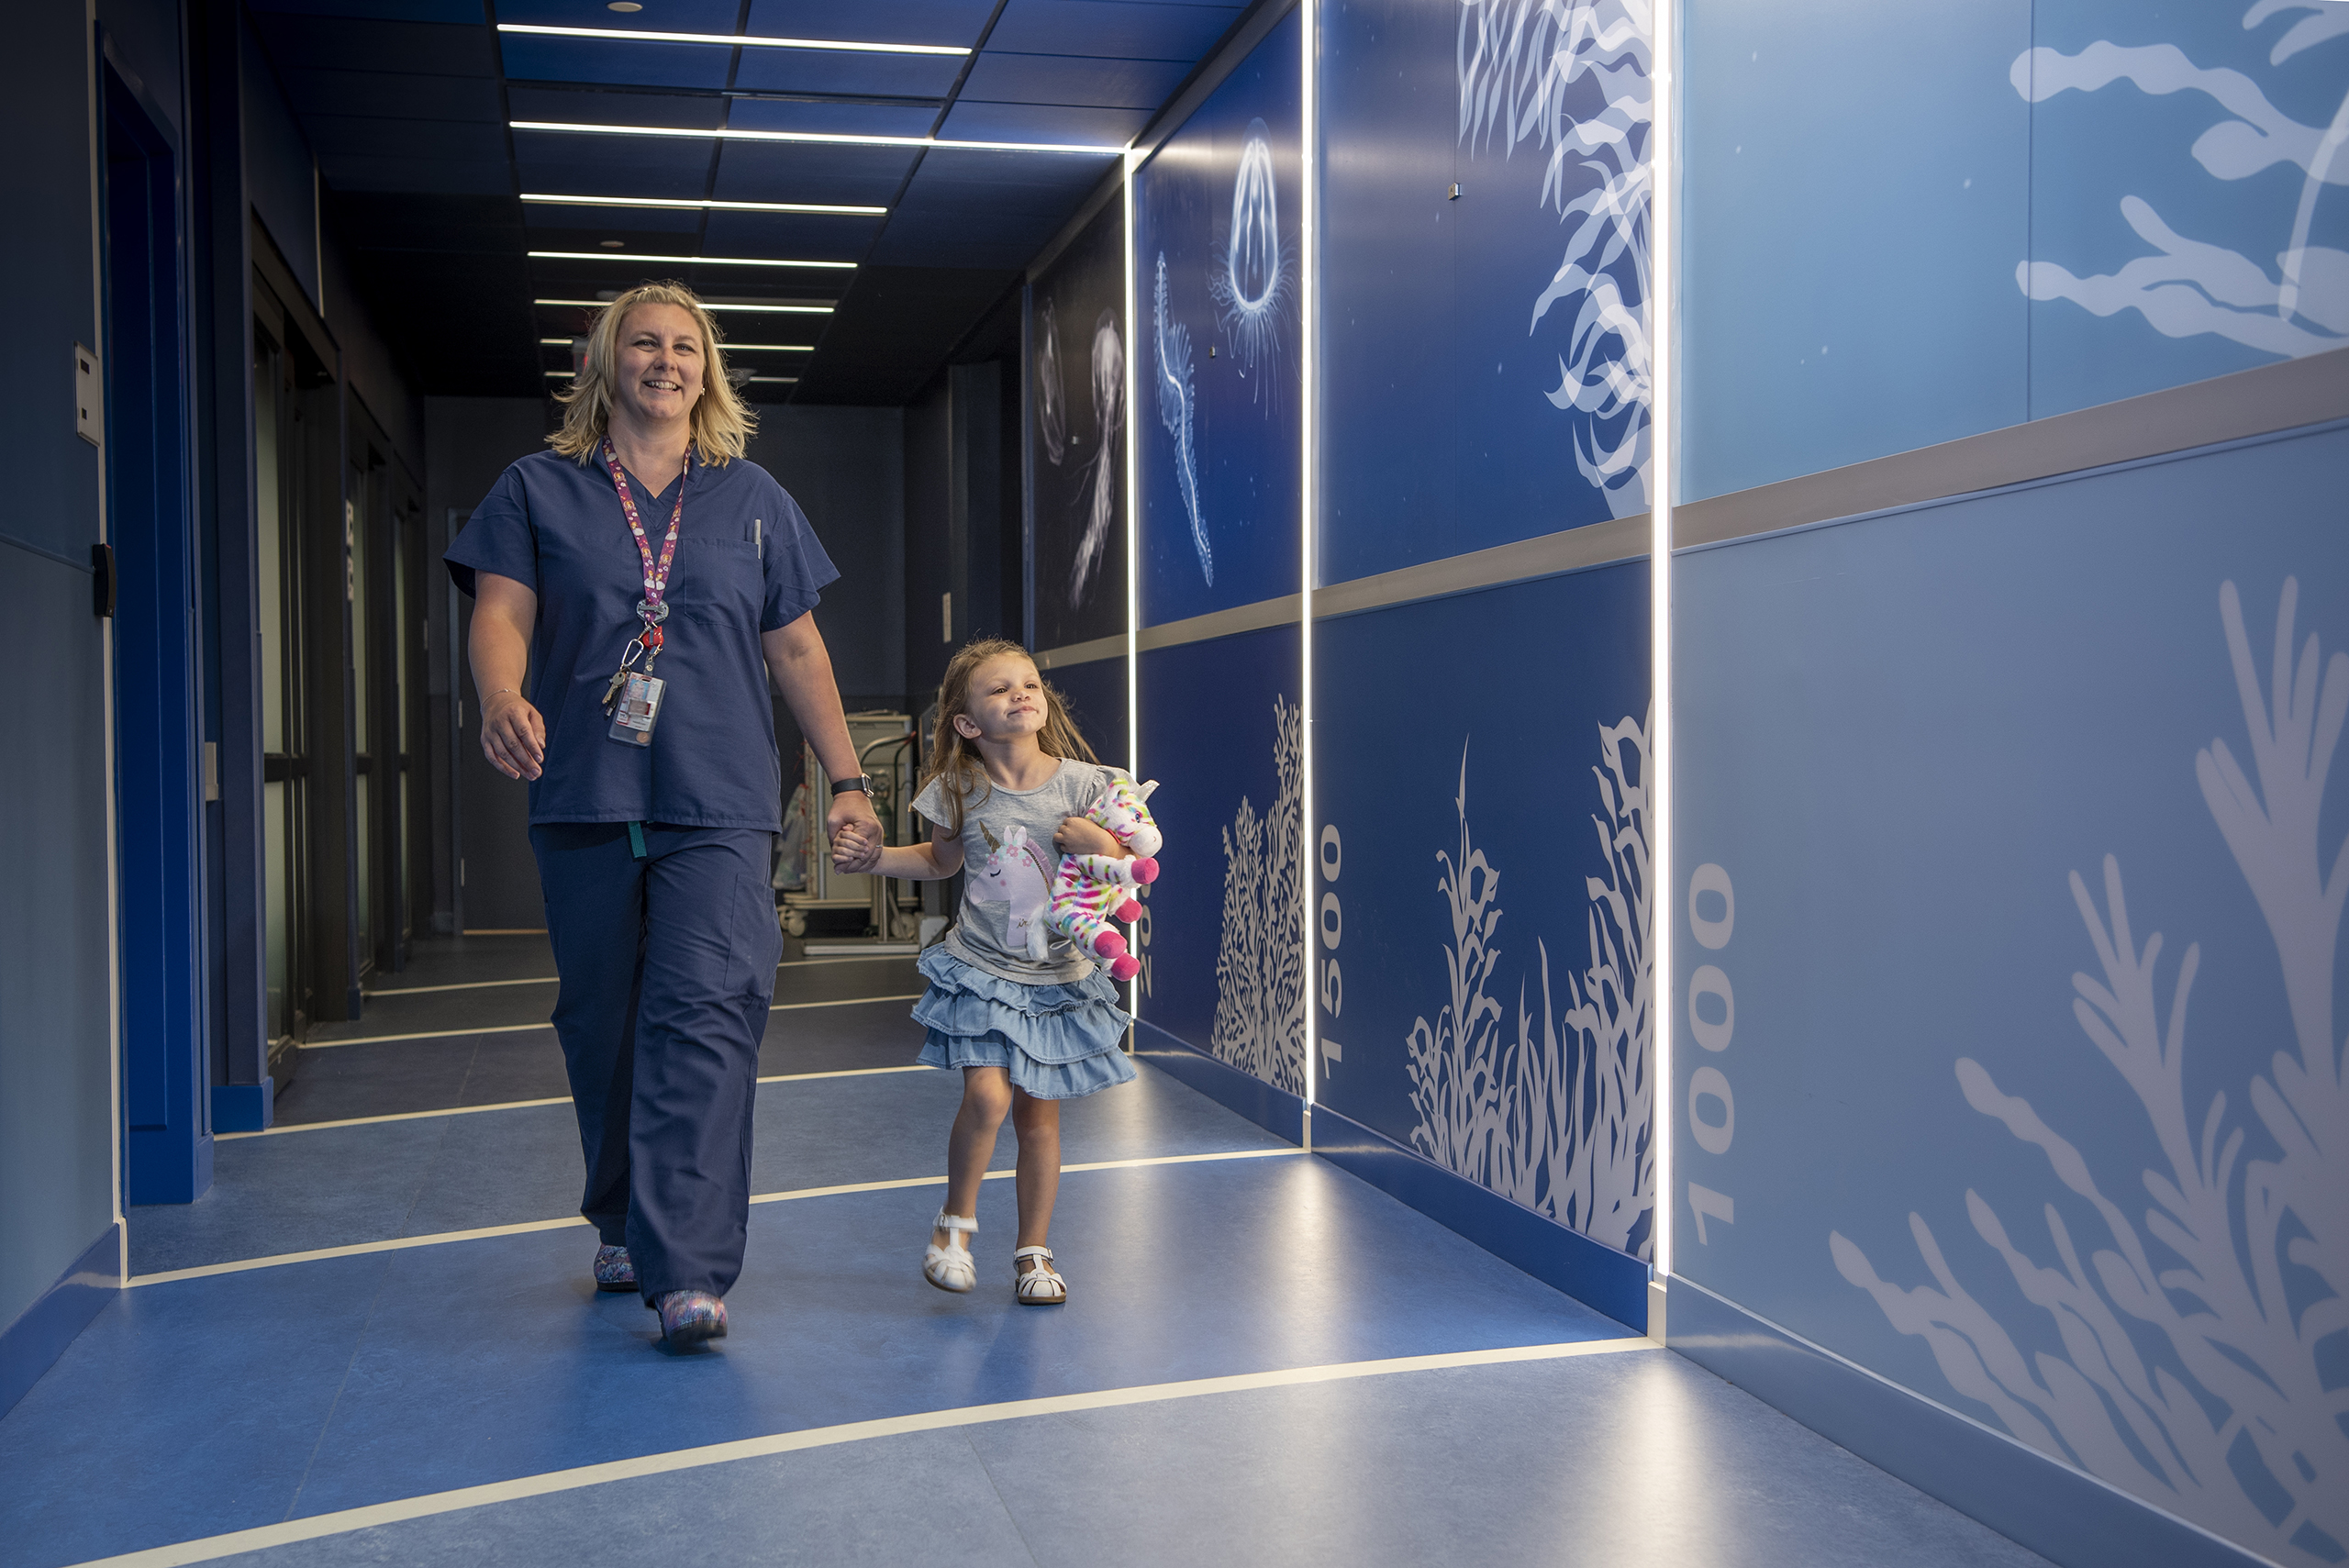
644,543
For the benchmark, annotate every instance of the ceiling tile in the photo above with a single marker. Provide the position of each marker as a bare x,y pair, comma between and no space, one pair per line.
586,106
877,21
1130,29
661,17
1074,79
838,120
1053,124
585,228
820,235
681,181
824,71
530,56
787,171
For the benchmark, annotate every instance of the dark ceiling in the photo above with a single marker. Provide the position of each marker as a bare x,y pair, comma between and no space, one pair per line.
411,107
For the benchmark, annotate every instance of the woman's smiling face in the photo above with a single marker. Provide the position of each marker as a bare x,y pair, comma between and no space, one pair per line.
660,362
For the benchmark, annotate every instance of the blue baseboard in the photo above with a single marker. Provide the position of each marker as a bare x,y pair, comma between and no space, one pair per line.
30,1346
243,1108
1277,1111
2065,1516
1597,1276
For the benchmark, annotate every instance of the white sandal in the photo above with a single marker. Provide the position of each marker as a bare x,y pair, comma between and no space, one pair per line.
950,1267
1038,1286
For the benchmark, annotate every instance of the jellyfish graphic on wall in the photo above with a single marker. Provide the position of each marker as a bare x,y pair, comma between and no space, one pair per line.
1178,402
1253,271
1052,415
1109,415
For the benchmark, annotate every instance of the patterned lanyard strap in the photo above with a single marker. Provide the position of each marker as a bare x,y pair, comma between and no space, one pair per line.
653,609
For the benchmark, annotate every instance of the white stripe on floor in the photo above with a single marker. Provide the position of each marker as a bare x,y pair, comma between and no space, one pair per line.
526,1105
549,980
445,1238
292,1532
524,1028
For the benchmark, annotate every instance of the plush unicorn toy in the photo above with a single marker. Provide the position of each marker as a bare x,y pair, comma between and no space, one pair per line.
1092,890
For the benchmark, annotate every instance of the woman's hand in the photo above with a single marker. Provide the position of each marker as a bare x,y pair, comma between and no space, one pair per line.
1082,836
513,736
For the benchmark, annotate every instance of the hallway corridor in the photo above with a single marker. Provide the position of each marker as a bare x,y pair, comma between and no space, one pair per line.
374,1340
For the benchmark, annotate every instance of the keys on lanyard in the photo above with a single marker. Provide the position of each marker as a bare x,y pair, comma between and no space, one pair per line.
633,695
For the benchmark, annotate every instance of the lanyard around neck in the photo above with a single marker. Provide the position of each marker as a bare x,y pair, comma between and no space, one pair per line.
653,608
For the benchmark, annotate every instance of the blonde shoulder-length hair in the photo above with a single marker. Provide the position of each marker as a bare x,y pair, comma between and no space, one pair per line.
722,423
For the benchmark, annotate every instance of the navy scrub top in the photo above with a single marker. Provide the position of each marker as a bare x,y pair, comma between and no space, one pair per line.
557,528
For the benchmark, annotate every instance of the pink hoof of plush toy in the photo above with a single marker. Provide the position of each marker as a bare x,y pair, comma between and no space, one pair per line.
1145,869
1125,968
1129,912
1110,945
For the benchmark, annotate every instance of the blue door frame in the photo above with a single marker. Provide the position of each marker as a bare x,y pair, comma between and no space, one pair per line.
167,1136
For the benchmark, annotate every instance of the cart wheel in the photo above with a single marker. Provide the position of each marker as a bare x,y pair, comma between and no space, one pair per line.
796,922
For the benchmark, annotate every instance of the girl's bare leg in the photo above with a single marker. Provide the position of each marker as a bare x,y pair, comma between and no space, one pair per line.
1038,1123
986,1095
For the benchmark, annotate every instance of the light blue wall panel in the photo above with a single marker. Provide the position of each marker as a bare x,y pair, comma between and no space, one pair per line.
1855,199
1486,376
1480,775
1216,244
2010,1061
1222,938
2179,181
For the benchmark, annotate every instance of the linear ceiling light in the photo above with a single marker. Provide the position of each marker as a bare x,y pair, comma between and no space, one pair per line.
775,309
832,138
679,261
769,348
735,40
774,378
721,207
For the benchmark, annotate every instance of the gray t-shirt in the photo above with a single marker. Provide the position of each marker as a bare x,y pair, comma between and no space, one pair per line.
1007,886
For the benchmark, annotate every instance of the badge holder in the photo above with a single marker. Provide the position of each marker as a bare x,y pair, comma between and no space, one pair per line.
633,697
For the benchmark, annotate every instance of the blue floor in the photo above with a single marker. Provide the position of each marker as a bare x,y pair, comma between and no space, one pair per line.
234,1400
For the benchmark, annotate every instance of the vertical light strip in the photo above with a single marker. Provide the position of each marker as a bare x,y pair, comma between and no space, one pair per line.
1664,891
1133,161
1308,229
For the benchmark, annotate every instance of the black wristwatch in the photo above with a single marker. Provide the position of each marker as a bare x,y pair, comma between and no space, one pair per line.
861,782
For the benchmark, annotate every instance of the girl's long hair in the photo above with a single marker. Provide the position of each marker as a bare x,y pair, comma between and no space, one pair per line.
722,422
956,759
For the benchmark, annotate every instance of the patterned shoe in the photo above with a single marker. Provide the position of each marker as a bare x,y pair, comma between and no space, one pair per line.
689,1317
613,1268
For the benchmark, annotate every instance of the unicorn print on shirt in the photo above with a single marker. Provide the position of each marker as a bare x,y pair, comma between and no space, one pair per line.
1019,873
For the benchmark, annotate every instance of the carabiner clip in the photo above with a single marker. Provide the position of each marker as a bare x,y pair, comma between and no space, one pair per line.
635,652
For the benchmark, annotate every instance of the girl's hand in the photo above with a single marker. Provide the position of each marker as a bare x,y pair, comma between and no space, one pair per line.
513,736
856,847
1082,836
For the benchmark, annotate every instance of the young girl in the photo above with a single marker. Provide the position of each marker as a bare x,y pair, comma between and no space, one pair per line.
1028,1033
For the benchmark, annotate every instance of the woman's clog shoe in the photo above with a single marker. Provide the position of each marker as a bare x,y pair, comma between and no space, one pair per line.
689,1317
613,1268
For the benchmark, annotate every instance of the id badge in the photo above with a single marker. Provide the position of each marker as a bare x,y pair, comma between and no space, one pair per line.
639,709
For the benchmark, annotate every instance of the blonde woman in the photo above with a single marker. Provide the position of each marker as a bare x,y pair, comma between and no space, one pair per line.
635,590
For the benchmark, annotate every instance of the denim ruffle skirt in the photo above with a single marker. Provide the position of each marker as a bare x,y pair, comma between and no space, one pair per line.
1056,1042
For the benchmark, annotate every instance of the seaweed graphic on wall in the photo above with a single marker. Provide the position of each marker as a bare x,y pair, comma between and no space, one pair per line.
1553,1115
2240,1273
1260,965
1254,269
1098,491
2190,287
1572,76
1177,404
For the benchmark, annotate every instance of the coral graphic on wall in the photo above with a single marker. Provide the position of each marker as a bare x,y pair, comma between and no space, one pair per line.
1572,76
1553,1115
1254,270
1177,406
2189,286
1259,966
2196,1371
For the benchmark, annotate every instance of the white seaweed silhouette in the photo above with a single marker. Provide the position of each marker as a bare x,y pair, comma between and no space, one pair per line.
1260,963
1176,404
1519,64
2256,1273
1100,497
2191,288
1255,271
1556,1118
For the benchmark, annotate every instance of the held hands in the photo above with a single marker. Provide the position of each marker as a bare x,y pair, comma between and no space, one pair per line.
513,736
855,832
1082,836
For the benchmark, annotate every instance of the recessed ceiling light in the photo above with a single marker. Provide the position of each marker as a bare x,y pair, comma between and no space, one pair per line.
829,139
738,40
623,6
716,206
609,244
775,309
684,261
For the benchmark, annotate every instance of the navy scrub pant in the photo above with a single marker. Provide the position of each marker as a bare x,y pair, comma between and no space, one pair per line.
667,965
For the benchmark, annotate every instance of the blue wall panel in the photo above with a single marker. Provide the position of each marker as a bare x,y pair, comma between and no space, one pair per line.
1096,696
1486,375
1854,199
1476,825
1216,213
1222,935
2007,1005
